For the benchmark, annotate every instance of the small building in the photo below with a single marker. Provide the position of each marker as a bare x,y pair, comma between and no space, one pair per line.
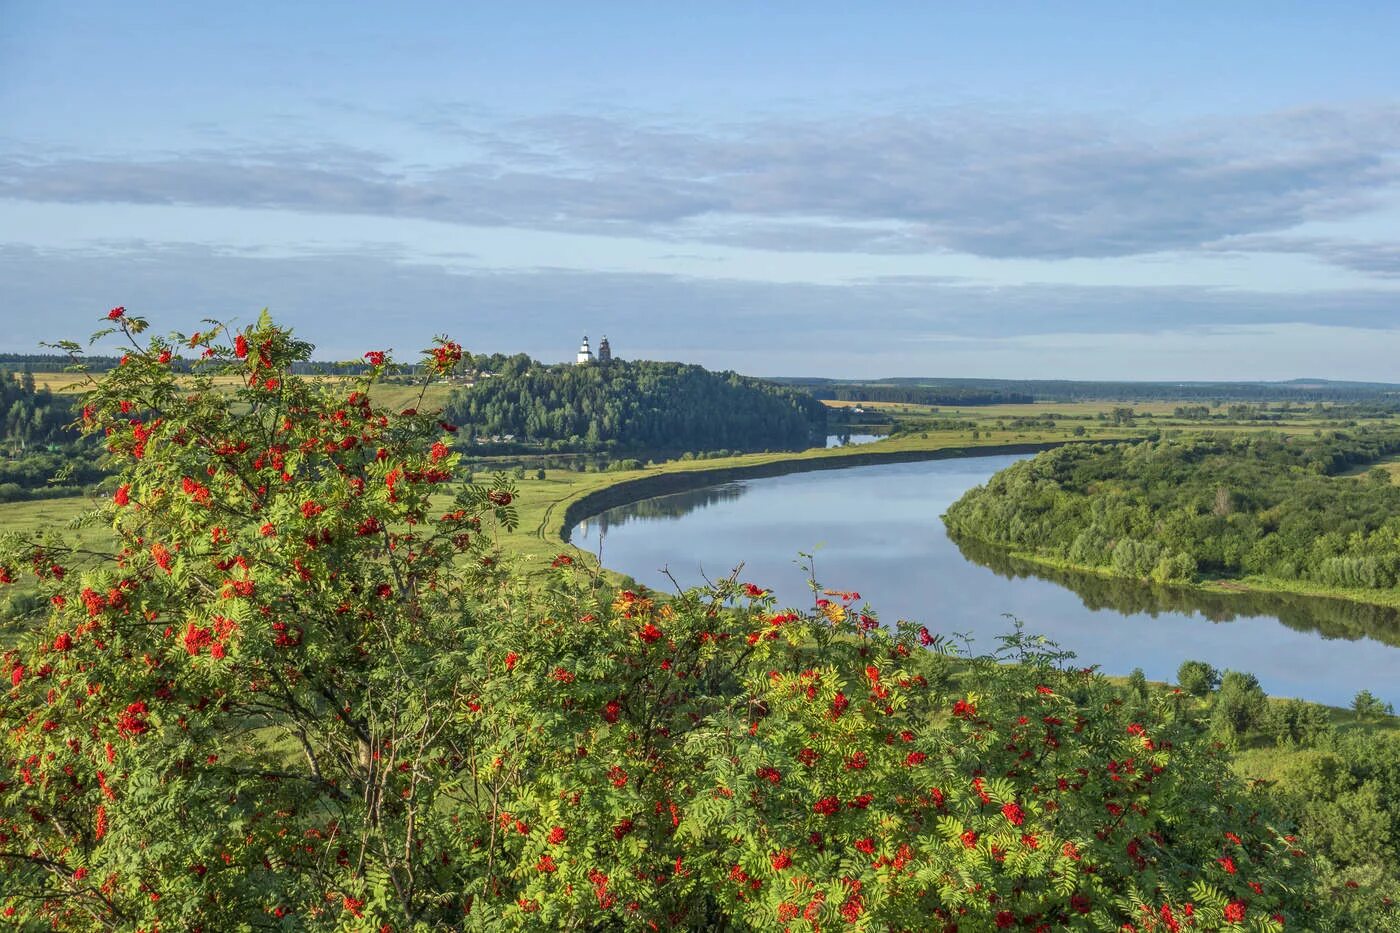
585,353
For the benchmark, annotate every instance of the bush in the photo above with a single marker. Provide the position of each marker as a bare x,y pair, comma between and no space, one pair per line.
1240,704
1137,686
1367,705
304,695
1197,678
1295,723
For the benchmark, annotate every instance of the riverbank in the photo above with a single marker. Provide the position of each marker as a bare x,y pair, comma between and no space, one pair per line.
549,507
663,482
1386,599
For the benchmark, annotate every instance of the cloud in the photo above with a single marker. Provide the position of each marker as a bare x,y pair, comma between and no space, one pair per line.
1377,259
994,184
350,301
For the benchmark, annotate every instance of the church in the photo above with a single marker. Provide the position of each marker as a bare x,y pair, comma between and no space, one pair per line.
585,354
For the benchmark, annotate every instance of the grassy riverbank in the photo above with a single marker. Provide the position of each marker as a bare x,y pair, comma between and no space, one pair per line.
1389,599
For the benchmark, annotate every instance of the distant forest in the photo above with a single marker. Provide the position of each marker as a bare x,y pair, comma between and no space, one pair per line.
912,394
929,391
38,443
636,406
31,416
1214,505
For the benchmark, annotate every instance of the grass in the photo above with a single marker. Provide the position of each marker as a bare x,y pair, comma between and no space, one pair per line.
1259,758
53,515
1390,464
543,503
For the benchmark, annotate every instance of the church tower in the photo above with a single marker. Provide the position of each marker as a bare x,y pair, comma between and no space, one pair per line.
585,355
604,351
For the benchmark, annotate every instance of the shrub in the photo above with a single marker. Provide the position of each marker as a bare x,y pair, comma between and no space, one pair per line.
1137,686
1295,723
1240,704
1368,705
1197,678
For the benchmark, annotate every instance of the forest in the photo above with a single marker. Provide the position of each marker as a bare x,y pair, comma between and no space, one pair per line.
37,443
912,394
33,416
968,391
635,406
1181,509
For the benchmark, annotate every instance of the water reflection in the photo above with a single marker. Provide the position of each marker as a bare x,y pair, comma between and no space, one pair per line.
1331,618
669,506
851,440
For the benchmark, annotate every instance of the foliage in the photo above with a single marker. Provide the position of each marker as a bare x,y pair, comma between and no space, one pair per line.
1217,505
1239,705
1294,723
49,473
1374,396
914,395
1137,685
1332,618
1367,704
637,405
1348,801
42,457
307,693
1197,678
32,416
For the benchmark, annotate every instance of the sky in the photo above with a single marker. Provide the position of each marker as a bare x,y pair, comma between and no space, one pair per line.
1011,190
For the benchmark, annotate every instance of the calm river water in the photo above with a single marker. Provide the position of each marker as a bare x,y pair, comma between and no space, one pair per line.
876,529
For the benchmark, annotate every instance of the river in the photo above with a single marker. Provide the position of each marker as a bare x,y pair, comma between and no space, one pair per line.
877,530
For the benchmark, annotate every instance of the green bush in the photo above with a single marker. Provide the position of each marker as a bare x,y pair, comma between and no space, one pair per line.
1197,678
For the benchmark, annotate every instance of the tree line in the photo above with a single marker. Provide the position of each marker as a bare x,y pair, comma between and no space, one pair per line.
1341,780
635,405
31,415
913,394
1386,395
39,443
1213,505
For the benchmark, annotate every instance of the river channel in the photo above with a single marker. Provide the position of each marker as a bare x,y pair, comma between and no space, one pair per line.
877,530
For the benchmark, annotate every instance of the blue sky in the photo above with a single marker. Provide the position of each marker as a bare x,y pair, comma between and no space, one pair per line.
1157,191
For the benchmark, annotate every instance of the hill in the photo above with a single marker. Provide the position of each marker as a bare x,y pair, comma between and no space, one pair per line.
636,406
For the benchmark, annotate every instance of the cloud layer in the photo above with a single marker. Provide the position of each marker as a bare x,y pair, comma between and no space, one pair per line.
989,184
